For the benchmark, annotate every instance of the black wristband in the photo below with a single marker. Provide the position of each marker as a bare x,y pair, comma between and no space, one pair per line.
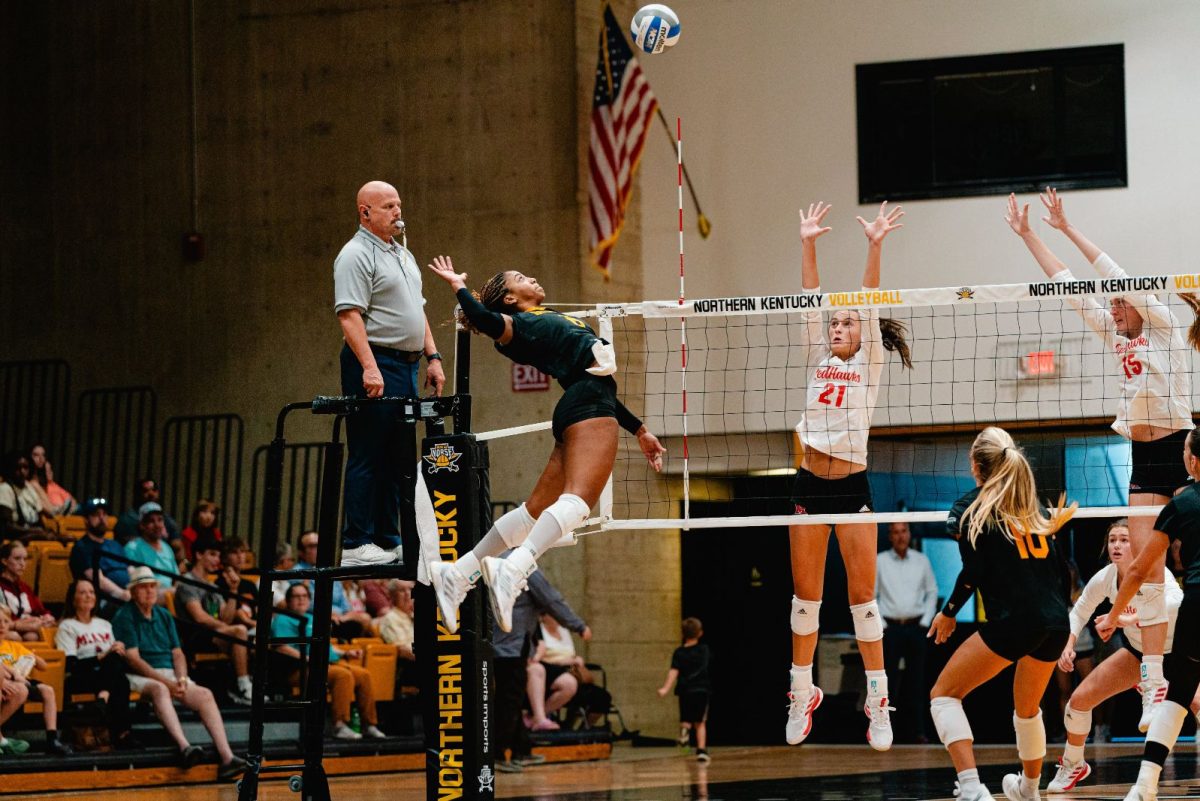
431,356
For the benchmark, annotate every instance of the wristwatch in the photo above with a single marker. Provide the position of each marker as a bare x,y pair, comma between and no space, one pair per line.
431,356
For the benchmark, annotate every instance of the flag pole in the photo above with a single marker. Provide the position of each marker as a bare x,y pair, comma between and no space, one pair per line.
701,221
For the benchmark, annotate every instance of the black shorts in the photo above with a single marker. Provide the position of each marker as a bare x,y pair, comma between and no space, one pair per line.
1125,644
693,707
1158,465
552,674
812,495
590,397
1013,639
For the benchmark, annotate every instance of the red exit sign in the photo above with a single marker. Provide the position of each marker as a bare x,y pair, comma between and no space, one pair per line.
529,379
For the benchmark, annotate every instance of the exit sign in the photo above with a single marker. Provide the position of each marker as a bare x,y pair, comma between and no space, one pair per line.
529,379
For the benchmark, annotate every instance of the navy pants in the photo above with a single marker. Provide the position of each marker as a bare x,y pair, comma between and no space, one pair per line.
376,460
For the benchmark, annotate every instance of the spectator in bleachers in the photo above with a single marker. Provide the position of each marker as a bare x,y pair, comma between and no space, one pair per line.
21,513
21,661
94,660
513,650
347,623
13,694
157,669
149,547
204,520
29,614
559,652
145,490
375,596
234,553
56,499
208,611
396,627
347,682
114,574
285,559
549,688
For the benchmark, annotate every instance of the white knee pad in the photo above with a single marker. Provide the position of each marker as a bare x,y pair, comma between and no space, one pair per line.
1031,737
806,616
868,623
1076,722
950,720
569,510
514,526
1167,722
1151,605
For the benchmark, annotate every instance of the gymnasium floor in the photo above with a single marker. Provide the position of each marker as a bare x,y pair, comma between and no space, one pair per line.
824,773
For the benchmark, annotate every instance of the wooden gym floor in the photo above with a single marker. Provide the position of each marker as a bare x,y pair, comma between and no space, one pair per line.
816,772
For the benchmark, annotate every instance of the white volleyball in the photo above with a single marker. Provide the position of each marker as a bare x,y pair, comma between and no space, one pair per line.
654,28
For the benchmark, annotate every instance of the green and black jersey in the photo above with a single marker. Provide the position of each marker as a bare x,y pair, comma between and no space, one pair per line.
1019,579
1180,520
555,343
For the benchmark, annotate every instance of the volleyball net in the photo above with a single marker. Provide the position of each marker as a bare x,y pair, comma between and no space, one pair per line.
1020,356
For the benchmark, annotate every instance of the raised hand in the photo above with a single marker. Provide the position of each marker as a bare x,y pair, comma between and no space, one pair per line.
443,268
1017,218
1054,206
884,223
810,223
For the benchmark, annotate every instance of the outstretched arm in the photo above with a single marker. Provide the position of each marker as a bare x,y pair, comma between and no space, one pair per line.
493,324
1018,221
884,223
810,231
1056,218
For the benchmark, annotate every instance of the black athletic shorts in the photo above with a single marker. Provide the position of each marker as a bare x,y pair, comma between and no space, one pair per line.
693,707
1014,639
590,397
1158,465
812,495
1126,645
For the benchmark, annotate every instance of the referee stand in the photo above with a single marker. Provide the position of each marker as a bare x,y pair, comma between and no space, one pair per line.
454,670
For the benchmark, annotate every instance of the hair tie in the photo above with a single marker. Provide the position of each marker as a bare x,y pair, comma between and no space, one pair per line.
1006,449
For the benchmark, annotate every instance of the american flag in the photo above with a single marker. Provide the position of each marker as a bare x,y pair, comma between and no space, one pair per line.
622,107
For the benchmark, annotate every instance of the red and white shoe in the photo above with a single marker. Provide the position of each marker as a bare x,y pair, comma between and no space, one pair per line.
1069,774
800,708
879,730
1153,694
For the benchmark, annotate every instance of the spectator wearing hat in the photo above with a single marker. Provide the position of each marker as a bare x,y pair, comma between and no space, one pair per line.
145,490
158,670
149,547
114,574
211,612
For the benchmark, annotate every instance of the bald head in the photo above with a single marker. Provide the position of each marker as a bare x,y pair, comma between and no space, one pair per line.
379,208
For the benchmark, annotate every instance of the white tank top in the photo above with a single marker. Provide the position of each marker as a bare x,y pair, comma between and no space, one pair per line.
841,395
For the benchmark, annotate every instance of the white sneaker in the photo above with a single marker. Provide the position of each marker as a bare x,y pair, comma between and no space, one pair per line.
344,732
1069,774
982,794
800,709
399,552
1153,693
1012,789
451,587
879,730
1137,793
241,698
366,556
505,583
373,731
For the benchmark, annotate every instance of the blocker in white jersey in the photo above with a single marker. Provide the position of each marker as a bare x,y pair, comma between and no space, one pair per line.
845,363
1103,587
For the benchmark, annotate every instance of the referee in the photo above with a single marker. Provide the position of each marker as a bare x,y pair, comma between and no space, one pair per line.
379,304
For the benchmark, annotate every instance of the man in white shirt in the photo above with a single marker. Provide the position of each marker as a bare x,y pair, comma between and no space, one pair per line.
907,595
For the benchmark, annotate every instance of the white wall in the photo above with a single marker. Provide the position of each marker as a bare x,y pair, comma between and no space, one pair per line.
766,92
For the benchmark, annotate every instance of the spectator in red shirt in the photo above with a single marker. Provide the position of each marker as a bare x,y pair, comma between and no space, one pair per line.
29,614
204,524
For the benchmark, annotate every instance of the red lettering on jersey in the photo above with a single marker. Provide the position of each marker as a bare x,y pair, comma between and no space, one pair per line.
831,373
1139,342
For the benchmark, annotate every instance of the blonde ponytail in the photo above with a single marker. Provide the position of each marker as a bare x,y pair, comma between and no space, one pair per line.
1008,496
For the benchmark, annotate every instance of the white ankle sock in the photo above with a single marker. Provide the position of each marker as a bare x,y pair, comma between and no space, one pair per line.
245,684
468,564
1072,753
801,677
877,683
1148,775
1029,786
1152,668
523,559
968,782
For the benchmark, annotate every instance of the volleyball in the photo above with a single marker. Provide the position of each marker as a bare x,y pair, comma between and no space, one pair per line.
655,28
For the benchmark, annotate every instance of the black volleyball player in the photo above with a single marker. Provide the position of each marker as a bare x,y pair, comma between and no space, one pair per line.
585,424
1007,548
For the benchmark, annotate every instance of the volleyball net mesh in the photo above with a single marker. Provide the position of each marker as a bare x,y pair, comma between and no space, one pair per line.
1021,356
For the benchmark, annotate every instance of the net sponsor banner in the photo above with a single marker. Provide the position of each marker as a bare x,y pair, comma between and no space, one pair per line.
892,298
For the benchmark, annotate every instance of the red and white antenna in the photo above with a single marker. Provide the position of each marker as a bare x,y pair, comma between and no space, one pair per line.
682,321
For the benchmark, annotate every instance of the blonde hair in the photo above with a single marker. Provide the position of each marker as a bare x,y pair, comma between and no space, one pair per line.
1008,496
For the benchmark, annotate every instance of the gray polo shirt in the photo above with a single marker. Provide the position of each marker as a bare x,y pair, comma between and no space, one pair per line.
383,282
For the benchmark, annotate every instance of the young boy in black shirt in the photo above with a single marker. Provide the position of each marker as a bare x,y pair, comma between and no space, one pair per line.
689,664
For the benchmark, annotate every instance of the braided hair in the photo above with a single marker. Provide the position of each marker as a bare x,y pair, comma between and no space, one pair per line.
491,296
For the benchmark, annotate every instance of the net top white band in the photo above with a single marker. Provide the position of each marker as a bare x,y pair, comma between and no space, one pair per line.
892,298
